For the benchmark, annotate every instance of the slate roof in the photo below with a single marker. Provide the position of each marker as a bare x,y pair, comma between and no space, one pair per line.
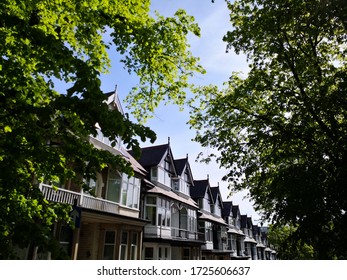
199,189
215,191
151,156
227,208
235,209
243,221
180,164
249,222
256,230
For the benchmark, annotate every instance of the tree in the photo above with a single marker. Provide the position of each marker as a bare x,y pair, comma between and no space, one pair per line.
281,129
288,245
44,133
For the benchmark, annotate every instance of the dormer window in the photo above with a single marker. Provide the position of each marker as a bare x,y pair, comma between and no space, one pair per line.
186,176
176,185
167,164
218,209
154,173
160,175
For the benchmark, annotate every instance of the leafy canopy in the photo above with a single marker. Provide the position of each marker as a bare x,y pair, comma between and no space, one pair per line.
43,132
288,245
281,128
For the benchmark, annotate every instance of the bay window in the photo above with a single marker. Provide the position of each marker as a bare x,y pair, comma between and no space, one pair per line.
123,189
158,211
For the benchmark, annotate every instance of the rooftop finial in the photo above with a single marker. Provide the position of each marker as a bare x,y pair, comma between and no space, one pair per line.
187,156
168,140
115,88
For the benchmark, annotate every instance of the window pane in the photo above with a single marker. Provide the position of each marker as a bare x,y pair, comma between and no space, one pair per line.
109,245
108,252
136,198
123,246
124,237
149,253
113,186
151,200
130,195
176,185
110,237
154,173
133,253
151,214
124,192
168,218
123,252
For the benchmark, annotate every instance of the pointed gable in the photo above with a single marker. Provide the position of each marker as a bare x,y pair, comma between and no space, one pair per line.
236,211
182,166
199,189
217,201
113,100
216,195
249,223
201,193
159,164
243,221
184,181
227,209
152,156
155,155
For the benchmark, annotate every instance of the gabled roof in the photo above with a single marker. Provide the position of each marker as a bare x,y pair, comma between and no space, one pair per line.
182,165
215,192
200,188
217,195
227,208
256,230
249,222
134,164
113,99
243,221
236,210
151,156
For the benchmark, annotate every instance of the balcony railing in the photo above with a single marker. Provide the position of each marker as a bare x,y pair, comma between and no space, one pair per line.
80,199
179,233
186,234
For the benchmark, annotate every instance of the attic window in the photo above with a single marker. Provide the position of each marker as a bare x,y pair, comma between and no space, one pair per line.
167,164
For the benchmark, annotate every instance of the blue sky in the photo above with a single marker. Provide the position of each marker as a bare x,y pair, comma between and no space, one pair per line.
213,19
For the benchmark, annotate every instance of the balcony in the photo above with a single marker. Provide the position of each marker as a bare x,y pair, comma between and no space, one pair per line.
81,199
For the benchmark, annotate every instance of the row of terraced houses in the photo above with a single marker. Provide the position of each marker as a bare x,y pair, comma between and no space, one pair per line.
162,213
